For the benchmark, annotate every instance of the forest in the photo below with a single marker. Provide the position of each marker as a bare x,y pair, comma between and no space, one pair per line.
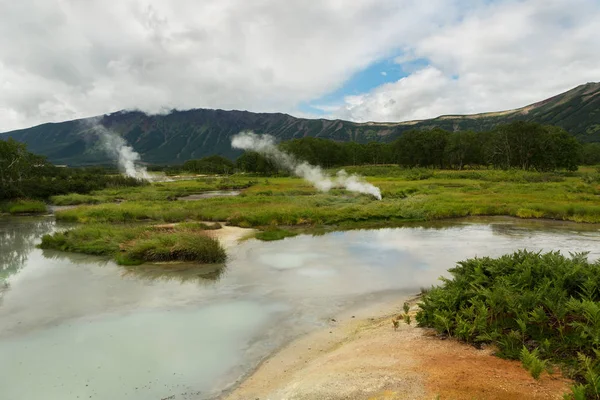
518,145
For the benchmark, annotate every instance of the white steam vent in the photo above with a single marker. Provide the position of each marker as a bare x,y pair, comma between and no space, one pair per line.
265,145
116,147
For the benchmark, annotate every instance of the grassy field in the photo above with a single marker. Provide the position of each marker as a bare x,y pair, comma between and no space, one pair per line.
416,195
284,206
156,192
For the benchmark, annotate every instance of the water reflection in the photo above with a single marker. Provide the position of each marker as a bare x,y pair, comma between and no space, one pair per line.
17,238
179,272
83,326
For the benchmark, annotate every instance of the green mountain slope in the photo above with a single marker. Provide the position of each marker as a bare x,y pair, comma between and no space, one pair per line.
183,135
577,111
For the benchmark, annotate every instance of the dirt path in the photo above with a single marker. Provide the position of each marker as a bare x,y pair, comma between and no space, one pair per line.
367,359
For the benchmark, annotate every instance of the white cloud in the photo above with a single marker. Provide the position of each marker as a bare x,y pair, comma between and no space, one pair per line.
417,95
502,56
64,59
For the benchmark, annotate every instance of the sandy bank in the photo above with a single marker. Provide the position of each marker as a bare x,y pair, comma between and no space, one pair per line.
364,358
228,235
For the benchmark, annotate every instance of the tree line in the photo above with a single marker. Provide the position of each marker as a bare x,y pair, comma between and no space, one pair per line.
27,175
518,145
521,145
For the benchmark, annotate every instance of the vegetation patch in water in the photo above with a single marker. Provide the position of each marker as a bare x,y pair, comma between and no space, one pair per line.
539,308
23,207
175,246
274,234
136,244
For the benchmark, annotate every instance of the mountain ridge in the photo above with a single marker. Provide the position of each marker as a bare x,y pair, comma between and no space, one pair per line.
185,134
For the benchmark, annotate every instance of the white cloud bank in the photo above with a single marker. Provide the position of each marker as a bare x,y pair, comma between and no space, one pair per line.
65,59
502,56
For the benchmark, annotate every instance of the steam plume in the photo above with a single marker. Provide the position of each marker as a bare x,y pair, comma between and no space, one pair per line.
117,148
265,145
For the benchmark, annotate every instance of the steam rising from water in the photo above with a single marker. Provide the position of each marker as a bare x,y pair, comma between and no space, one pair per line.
124,154
265,145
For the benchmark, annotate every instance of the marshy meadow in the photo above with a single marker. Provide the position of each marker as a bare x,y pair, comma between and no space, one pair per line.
540,306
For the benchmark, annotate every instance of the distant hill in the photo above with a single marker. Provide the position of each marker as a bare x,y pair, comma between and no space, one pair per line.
184,135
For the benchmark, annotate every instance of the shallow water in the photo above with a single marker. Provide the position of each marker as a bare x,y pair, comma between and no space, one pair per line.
74,326
210,195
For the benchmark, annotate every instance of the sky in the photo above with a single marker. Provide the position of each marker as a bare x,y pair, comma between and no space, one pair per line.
361,60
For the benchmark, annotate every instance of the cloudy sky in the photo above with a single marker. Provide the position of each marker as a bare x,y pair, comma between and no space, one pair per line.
381,60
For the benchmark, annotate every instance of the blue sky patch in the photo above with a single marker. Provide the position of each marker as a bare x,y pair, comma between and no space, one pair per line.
376,74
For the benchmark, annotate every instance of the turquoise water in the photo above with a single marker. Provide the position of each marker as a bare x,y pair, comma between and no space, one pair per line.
77,327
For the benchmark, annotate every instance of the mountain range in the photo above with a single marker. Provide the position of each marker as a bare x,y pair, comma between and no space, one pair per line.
182,135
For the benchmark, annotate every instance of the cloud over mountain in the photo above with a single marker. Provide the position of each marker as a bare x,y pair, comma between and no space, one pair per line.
65,59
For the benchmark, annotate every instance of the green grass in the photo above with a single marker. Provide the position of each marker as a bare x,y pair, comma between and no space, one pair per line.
283,206
23,207
494,175
161,191
539,308
136,244
172,246
293,202
94,239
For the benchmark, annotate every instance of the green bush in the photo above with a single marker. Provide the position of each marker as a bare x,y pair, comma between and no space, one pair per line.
532,306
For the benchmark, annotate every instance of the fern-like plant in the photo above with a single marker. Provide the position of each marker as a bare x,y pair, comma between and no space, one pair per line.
532,363
521,301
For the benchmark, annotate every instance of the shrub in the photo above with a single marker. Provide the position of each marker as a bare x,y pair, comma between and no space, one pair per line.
532,306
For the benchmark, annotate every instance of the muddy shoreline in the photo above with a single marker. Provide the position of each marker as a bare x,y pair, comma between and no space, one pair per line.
360,356
373,313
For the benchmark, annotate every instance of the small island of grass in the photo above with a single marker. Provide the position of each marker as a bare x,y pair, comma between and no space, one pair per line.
23,207
136,244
